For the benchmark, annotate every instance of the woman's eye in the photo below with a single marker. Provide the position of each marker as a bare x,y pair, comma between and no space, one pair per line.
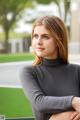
46,37
35,36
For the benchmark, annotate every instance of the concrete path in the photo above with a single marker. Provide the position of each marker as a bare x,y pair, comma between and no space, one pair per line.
9,73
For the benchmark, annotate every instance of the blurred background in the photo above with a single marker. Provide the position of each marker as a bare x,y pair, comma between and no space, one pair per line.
16,20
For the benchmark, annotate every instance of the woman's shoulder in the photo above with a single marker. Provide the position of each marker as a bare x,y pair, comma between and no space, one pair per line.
29,68
74,66
27,72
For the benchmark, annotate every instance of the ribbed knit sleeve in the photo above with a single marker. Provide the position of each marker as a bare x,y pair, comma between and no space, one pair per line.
38,99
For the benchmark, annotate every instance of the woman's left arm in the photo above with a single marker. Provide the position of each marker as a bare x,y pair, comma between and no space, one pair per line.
70,115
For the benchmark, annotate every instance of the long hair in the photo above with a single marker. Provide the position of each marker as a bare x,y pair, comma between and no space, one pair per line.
58,30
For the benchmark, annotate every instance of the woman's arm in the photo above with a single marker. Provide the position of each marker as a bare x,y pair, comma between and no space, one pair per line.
39,100
70,115
76,100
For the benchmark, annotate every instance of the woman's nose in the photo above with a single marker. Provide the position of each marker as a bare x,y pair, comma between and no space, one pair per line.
39,41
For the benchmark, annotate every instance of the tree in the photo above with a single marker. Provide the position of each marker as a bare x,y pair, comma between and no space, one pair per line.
57,2
66,8
67,4
10,11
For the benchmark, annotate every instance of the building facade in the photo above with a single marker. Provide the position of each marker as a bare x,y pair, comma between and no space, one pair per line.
74,44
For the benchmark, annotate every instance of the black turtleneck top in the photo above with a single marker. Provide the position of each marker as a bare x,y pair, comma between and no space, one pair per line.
50,86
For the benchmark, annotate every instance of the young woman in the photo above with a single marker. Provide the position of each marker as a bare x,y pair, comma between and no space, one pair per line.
52,84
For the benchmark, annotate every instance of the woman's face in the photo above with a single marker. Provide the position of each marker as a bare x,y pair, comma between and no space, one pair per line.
43,43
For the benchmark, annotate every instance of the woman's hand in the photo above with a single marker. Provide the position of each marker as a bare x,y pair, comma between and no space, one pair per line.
76,104
75,116
71,115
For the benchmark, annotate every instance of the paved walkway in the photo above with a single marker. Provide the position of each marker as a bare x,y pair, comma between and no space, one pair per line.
10,73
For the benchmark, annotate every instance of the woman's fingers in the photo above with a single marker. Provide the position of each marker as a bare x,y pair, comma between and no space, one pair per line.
75,116
76,104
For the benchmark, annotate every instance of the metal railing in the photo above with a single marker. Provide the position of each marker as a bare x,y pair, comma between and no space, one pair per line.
21,118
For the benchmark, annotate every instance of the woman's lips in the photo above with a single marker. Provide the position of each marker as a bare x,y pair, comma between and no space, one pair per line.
39,49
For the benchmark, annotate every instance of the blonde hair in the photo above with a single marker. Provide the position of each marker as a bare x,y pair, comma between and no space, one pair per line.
56,26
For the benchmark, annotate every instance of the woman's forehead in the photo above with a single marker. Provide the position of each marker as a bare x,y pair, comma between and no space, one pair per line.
41,29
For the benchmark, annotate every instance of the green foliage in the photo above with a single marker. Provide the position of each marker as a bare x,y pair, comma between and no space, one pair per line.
13,8
43,1
10,10
48,1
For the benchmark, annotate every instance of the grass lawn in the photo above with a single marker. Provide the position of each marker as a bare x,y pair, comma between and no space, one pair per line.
13,103
16,57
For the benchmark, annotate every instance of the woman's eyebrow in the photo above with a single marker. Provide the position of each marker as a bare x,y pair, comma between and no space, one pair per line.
35,34
44,34
41,34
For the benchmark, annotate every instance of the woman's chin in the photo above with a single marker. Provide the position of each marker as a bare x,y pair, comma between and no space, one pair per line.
39,55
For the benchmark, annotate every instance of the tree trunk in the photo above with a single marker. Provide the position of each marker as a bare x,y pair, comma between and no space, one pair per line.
6,45
59,9
67,10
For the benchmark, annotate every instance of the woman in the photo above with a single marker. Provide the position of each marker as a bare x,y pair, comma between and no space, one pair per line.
52,84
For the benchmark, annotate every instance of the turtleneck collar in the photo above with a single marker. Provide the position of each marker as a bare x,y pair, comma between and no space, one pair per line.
52,62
